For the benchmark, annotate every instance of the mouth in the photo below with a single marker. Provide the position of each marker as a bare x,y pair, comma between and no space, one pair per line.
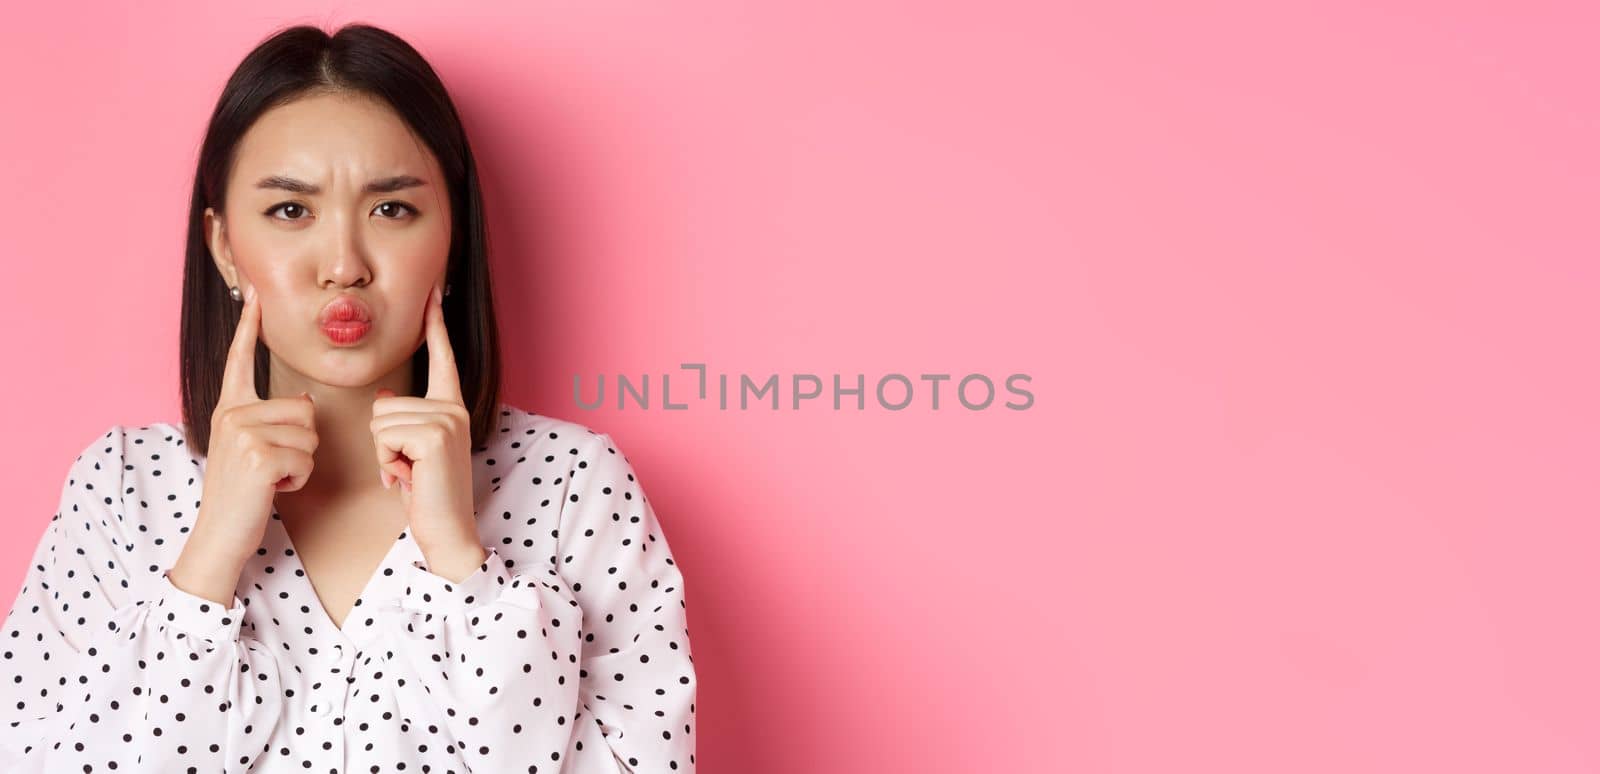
345,320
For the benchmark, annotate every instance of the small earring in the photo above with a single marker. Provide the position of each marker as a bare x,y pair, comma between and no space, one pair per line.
234,292
447,288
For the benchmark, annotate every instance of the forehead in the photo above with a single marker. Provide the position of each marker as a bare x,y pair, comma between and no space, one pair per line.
337,140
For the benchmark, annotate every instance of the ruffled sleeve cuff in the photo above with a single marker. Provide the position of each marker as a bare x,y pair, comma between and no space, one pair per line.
193,615
426,592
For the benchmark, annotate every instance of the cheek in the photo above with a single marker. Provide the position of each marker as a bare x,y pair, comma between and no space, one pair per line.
276,327
430,246
269,270
417,324
425,259
256,246
288,312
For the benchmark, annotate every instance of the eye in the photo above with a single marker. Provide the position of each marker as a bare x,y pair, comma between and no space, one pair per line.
276,207
402,205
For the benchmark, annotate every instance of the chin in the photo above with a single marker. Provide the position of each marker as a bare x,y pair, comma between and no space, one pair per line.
345,367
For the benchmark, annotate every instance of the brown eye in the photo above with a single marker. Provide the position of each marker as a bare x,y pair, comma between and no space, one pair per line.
406,208
286,206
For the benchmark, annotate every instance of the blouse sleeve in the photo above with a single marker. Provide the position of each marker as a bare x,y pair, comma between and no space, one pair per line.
638,682
520,658
97,676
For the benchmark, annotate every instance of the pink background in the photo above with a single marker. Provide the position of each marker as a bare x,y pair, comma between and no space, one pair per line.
1308,296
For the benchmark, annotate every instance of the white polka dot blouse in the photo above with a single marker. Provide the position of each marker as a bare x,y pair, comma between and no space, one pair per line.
566,651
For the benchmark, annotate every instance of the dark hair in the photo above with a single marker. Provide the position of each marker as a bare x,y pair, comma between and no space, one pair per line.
302,60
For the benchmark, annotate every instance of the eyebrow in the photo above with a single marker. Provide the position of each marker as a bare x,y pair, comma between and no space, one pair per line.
381,185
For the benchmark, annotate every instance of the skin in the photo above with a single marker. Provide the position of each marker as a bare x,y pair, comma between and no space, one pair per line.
312,247
291,252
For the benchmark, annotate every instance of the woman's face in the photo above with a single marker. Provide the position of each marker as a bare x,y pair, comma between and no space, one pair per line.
303,227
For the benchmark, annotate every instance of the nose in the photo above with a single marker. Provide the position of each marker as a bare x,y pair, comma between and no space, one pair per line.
347,262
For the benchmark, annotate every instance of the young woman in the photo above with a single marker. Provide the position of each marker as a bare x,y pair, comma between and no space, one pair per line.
229,594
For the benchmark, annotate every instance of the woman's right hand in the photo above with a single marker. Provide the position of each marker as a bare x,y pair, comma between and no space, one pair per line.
257,449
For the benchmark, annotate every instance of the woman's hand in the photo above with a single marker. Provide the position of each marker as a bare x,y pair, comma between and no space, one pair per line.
257,449
426,444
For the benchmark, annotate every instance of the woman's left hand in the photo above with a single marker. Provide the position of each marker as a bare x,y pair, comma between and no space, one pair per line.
426,444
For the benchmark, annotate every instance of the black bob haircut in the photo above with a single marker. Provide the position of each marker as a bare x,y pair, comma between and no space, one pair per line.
359,59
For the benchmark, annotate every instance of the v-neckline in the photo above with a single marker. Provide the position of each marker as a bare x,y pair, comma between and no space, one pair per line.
362,598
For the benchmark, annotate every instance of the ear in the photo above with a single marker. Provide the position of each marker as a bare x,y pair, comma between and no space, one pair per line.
217,241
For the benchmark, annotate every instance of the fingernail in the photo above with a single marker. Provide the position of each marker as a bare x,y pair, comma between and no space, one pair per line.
406,485
250,293
383,477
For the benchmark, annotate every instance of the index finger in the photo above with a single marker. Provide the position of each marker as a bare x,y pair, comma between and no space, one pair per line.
239,372
443,382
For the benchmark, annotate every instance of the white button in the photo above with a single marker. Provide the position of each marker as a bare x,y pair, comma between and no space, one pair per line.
336,653
321,708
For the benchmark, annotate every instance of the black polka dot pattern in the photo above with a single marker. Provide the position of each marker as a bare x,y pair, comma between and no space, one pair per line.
565,652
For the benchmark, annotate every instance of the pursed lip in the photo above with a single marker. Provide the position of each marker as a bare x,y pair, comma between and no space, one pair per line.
344,309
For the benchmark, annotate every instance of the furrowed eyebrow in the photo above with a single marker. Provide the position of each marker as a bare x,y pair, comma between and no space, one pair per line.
381,185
